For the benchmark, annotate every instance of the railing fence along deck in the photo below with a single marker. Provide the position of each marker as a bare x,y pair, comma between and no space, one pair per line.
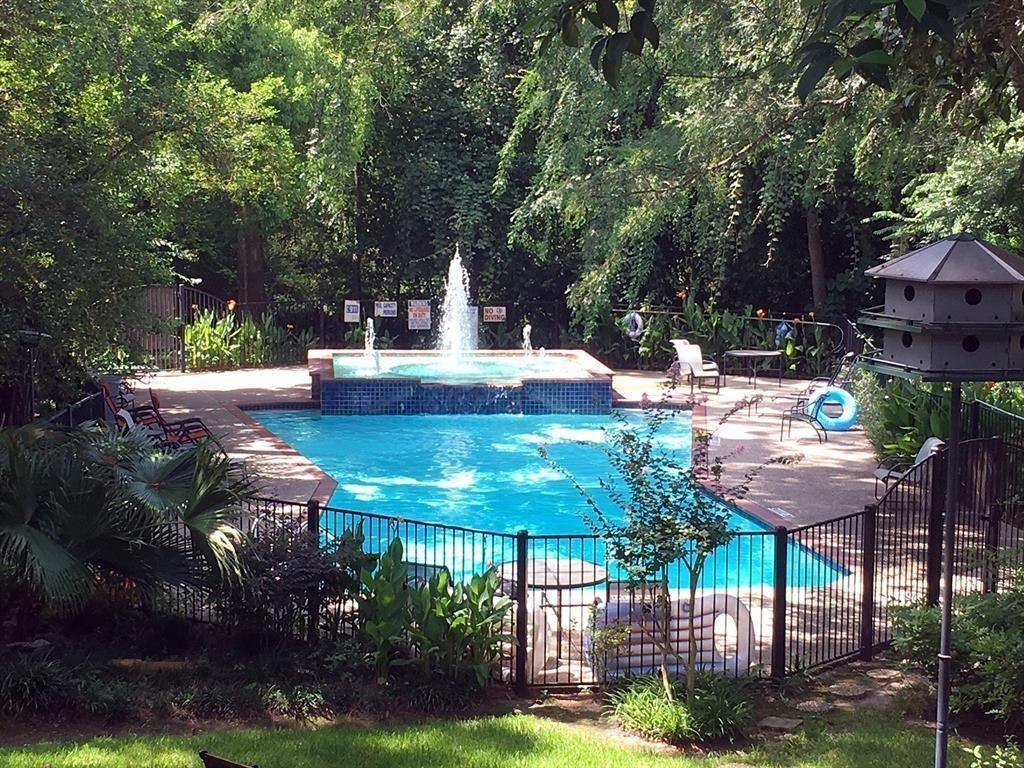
770,602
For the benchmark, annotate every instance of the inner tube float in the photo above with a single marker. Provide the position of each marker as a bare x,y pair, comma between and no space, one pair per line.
634,325
834,396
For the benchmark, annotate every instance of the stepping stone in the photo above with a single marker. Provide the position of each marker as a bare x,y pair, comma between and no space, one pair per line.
883,674
736,765
780,723
848,689
815,706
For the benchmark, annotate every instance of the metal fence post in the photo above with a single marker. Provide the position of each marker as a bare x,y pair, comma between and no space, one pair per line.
867,617
522,547
974,419
936,513
313,596
180,299
997,498
779,606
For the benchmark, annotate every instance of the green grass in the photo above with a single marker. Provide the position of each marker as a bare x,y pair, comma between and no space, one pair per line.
868,740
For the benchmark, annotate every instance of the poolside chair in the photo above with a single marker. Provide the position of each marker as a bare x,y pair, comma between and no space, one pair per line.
690,362
192,429
891,470
212,761
806,412
840,376
723,630
420,573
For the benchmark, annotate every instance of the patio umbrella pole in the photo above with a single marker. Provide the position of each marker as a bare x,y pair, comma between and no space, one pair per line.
949,537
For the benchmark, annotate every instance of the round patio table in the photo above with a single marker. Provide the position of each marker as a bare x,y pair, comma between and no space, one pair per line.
557,573
751,357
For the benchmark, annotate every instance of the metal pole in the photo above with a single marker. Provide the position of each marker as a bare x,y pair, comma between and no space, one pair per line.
779,604
949,533
522,637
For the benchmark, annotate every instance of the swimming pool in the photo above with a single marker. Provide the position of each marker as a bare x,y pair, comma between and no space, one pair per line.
485,472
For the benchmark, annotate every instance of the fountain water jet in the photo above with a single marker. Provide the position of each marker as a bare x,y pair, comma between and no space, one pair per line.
527,344
371,356
458,327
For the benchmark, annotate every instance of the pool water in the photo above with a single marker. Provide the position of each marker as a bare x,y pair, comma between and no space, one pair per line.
467,369
485,472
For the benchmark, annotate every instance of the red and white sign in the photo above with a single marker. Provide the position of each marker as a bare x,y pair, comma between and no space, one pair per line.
419,314
494,314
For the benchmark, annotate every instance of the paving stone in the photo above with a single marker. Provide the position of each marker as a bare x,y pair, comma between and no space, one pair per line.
736,765
884,674
815,706
775,723
848,689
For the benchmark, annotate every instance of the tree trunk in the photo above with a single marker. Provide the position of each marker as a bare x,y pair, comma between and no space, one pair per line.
819,284
691,650
666,619
251,267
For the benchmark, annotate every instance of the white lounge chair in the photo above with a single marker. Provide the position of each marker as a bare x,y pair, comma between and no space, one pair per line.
723,631
890,471
692,363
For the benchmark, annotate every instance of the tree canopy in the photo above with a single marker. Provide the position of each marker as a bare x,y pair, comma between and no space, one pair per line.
291,155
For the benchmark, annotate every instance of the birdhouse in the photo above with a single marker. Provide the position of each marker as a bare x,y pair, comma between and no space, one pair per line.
954,311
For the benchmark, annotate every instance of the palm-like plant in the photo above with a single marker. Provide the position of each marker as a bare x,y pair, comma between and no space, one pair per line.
99,508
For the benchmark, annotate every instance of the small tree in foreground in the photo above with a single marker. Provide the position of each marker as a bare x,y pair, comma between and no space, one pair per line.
659,514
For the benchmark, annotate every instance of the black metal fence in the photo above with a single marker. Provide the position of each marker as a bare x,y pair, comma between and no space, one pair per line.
769,602
88,408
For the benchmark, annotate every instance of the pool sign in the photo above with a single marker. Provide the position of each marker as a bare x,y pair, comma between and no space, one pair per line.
351,311
385,308
494,314
419,314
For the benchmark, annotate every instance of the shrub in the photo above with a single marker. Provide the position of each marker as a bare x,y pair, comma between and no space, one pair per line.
445,630
721,709
280,571
1009,756
987,650
32,684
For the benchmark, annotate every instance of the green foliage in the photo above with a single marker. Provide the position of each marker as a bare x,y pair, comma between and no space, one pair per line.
987,652
214,342
384,606
1008,756
280,570
92,510
720,709
900,414
660,515
457,627
449,632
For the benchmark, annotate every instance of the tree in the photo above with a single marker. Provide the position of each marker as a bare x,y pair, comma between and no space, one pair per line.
660,515
97,509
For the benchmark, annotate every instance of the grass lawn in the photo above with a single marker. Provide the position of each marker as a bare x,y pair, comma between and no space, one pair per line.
868,740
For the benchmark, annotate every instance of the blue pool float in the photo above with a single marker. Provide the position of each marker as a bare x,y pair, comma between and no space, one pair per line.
835,396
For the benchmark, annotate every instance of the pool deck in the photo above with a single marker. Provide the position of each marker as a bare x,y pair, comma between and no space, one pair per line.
830,479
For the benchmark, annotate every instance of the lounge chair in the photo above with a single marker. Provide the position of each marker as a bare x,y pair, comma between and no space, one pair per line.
892,471
690,362
212,761
806,412
725,646
840,376
192,429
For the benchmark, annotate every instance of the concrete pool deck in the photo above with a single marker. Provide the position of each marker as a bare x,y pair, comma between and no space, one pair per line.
831,479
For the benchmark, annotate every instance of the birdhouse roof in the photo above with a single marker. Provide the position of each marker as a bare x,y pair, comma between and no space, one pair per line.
960,260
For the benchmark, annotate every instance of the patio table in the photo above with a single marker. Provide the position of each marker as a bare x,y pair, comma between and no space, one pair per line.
553,576
752,357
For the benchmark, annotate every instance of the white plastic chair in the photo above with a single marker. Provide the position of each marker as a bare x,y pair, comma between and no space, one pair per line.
723,630
692,363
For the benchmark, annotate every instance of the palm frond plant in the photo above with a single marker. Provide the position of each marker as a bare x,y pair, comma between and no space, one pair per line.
96,509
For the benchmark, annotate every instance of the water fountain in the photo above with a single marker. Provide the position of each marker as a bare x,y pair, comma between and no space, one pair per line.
455,377
371,356
458,327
